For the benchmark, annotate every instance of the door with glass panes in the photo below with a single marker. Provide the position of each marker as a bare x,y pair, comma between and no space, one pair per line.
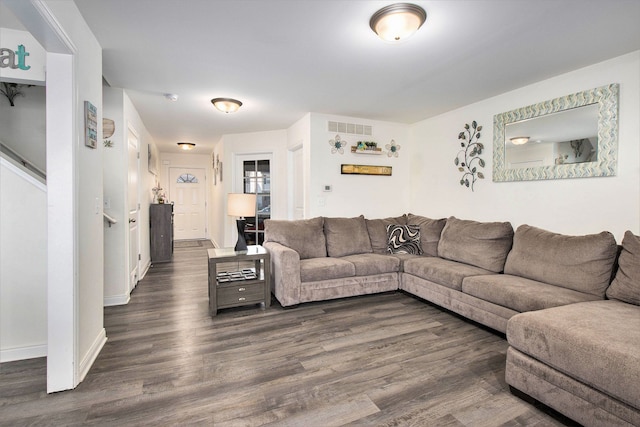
256,179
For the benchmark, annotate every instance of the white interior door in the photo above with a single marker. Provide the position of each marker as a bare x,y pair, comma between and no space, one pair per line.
187,193
133,209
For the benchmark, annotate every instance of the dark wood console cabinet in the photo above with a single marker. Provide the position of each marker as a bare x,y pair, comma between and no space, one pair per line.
161,234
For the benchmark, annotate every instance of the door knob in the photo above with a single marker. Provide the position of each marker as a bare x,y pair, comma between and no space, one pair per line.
131,220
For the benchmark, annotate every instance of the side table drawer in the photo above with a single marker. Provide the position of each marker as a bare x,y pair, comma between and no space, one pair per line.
240,293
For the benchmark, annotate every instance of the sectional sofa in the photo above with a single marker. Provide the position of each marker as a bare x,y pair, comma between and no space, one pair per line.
573,334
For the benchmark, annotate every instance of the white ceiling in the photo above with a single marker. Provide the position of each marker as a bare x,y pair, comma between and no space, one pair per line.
284,58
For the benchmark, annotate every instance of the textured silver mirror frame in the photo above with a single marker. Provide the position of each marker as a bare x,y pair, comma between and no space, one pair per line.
606,164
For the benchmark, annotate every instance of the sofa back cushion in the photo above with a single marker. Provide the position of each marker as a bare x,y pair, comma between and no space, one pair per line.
304,236
626,284
430,231
377,229
581,263
346,236
482,244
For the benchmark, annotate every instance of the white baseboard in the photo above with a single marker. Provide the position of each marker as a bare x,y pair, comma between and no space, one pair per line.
92,354
23,353
116,300
145,270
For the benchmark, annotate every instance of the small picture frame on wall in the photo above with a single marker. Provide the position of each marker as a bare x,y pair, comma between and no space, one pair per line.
220,170
90,125
365,170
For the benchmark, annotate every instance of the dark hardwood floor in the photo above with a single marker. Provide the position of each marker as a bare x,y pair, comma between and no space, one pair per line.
380,360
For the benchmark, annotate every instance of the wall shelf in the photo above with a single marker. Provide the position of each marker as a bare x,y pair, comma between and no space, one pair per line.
375,151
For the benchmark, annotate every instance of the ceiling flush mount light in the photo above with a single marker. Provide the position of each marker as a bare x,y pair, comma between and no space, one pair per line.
226,105
519,140
171,97
397,21
186,145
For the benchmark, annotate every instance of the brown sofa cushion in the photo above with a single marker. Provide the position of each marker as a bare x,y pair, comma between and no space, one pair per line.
430,231
316,269
442,271
581,263
626,284
377,229
370,264
520,294
346,236
303,236
597,343
483,244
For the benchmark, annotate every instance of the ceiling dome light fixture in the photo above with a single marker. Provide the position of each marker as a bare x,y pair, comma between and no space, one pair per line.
398,21
519,140
226,105
186,145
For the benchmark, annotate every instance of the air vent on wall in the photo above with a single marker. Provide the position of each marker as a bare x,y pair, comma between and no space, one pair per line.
352,128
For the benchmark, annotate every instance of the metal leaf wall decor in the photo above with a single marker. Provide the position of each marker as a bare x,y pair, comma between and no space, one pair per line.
468,158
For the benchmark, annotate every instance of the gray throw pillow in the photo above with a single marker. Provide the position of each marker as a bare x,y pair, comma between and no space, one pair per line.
430,231
304,236
403,239
482,244
346,236
626,284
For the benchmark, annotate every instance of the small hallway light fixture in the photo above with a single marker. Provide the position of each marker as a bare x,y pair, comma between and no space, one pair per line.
226,105
186,145
398,21
520,140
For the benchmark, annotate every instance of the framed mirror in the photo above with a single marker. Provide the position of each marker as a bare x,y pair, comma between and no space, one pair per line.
574,136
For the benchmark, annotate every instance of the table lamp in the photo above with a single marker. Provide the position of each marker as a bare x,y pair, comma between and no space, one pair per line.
241,205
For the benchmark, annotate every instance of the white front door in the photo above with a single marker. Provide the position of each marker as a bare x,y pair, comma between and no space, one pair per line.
132,207
187,193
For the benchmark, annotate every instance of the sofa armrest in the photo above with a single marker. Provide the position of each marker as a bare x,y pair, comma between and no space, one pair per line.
285,273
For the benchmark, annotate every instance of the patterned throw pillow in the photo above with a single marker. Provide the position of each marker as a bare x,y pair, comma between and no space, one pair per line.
403,239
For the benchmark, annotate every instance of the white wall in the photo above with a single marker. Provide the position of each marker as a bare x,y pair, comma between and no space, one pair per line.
74,185
116,277
86,193
186,160
23,125
146,181
273,143
23,265
118,107
353,195
572,206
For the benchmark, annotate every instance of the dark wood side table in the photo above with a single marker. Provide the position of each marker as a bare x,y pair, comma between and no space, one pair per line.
230,285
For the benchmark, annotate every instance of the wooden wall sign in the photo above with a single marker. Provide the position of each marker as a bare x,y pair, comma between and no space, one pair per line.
365,170
90,125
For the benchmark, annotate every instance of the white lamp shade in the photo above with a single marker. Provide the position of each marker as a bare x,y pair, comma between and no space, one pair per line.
241,204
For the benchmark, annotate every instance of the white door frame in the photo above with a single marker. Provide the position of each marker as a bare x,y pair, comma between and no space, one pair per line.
131,284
